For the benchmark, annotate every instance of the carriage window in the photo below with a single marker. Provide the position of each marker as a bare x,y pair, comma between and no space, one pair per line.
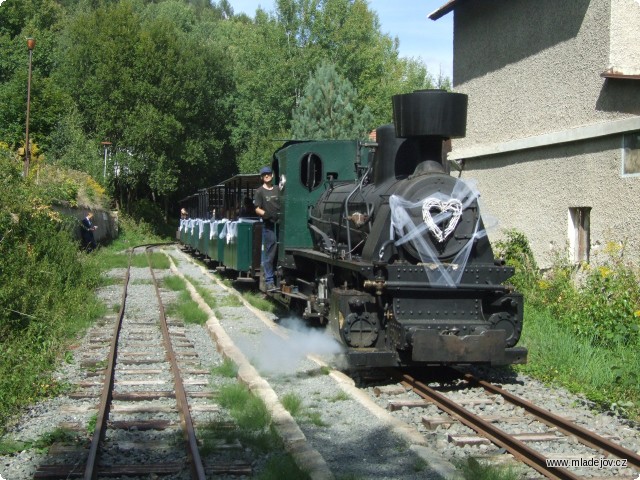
311,171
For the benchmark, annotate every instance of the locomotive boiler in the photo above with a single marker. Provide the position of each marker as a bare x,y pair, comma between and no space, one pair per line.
393,254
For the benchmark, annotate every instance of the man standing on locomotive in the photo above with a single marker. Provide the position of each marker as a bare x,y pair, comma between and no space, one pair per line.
267,202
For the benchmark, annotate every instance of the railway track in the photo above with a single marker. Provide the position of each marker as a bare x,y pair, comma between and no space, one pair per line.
150,364
499,429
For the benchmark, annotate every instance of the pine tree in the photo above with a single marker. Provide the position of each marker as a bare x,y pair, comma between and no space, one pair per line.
327,109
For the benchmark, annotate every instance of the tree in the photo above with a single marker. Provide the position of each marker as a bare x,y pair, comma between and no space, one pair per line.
274,54
153,80
39,19
328,110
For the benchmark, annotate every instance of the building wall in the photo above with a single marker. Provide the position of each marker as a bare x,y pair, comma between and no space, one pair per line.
533,191
532,70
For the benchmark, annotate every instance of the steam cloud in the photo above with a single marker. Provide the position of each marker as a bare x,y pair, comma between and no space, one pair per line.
281,356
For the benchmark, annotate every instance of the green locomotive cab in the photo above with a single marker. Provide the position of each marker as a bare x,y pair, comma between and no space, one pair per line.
305,171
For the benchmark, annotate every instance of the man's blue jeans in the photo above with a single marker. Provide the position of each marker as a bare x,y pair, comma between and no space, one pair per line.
269,248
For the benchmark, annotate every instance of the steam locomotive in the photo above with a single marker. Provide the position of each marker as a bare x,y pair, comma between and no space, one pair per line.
378,241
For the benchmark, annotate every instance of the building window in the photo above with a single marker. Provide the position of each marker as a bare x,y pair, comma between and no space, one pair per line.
631,153
579,234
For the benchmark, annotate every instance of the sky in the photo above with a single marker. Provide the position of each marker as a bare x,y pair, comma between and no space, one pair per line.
419,36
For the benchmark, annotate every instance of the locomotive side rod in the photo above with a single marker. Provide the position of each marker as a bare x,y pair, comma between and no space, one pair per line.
518,449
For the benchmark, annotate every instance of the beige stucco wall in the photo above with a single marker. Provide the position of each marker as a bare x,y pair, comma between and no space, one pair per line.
532,68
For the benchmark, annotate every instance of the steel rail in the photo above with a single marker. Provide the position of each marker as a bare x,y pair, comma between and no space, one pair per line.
585,436
91,467
196,465
517,448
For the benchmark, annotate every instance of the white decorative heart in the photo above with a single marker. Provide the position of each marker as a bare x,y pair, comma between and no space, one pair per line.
453,205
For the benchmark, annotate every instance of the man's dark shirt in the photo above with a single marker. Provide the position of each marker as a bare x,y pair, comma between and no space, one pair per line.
269,201
87,233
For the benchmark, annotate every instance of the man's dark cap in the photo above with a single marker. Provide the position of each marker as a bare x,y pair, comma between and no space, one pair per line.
265,170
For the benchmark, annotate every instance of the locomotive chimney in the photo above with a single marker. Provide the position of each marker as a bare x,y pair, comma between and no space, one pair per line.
430,113
428,118
424,120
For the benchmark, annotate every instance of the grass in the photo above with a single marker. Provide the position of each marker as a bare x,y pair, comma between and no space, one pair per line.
257,301
207,296
472,469
9,447
254,429
292,403
133,233
187,310
608,377
420,465
230,300
263,441
160,261
59,435
340,397
315,418
228,369
281,467
91,424
175,283
249,411
110,259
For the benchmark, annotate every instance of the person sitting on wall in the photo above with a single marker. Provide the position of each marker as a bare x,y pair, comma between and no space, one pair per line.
267,207
86,230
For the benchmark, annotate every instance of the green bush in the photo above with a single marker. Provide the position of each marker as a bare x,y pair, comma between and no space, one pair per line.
600,301
608,308
517,253
132,233
46,289
582,323
60,193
